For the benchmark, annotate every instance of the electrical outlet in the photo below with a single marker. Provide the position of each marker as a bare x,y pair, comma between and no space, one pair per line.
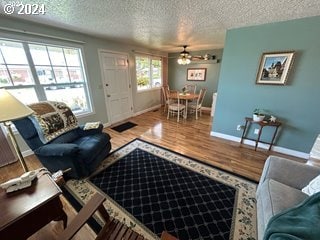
239,127
256,131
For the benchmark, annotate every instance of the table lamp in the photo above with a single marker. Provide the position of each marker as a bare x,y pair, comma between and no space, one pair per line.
12,109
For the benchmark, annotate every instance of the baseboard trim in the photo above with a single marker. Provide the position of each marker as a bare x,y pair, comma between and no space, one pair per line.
207,109
262,145
147,110
27,153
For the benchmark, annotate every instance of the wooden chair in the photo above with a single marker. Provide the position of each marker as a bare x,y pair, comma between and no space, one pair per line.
165,92
195,107
112,230
191,88
174,105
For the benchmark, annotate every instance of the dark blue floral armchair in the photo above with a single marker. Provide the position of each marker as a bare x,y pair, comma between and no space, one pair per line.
78,149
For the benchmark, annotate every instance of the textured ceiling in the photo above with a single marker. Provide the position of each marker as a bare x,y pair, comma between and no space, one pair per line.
166,24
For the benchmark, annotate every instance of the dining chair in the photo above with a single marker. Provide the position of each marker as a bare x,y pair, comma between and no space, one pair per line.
112,229
165,92
195,107
174,105
191,88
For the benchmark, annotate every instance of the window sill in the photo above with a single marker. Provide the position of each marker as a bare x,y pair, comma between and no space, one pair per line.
149,90
83,114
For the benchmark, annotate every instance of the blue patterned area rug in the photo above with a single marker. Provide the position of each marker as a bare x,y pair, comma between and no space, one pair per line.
152,189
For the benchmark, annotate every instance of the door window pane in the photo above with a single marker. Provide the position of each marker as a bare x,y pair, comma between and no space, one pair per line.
72,57
45,75
13,52
39,54
56,56
4,77
21,75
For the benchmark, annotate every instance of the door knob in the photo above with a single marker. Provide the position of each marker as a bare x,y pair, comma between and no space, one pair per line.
108,95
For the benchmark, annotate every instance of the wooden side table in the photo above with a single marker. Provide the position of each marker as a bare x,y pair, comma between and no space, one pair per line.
261,124
26,211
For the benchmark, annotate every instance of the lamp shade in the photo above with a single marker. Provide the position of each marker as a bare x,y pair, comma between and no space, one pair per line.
11,108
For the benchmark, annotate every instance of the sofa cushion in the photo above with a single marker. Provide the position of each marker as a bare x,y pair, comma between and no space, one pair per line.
67,137
59,150
276,197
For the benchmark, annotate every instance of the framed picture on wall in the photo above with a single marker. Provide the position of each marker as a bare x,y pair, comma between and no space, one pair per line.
196,74
274,67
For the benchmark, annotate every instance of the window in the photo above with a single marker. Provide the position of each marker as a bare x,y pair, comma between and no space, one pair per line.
148,72
36,72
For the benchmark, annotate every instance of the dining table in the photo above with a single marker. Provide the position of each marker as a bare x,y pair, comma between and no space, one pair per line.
186,97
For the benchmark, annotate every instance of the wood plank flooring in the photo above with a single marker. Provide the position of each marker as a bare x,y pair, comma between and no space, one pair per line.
189,137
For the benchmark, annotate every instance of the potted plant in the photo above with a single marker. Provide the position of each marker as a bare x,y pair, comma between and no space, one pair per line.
184,90
258,115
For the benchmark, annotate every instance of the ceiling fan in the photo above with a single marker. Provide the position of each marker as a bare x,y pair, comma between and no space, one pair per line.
186,58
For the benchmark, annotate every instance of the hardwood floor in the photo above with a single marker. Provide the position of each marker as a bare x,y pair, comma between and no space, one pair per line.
189,137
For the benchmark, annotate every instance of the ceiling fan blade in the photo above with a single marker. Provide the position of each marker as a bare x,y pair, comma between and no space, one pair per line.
198,57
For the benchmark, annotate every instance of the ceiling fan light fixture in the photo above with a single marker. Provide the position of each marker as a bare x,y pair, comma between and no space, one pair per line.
184,57
183,61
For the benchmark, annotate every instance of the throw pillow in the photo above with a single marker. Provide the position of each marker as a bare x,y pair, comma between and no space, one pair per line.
91,125
313,186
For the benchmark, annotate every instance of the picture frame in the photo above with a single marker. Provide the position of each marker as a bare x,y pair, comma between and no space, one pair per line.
274,67
196,74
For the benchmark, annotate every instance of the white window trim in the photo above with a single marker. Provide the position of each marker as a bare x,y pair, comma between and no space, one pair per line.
135,68
57,43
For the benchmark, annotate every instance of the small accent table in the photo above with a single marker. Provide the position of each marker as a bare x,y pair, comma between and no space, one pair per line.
25,211
262,124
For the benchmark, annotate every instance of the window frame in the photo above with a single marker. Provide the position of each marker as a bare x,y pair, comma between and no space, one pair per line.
38,87
150,58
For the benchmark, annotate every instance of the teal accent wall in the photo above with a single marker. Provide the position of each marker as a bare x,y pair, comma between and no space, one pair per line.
177,74
295,104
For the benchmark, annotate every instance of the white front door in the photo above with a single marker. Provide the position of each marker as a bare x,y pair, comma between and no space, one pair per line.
116,85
